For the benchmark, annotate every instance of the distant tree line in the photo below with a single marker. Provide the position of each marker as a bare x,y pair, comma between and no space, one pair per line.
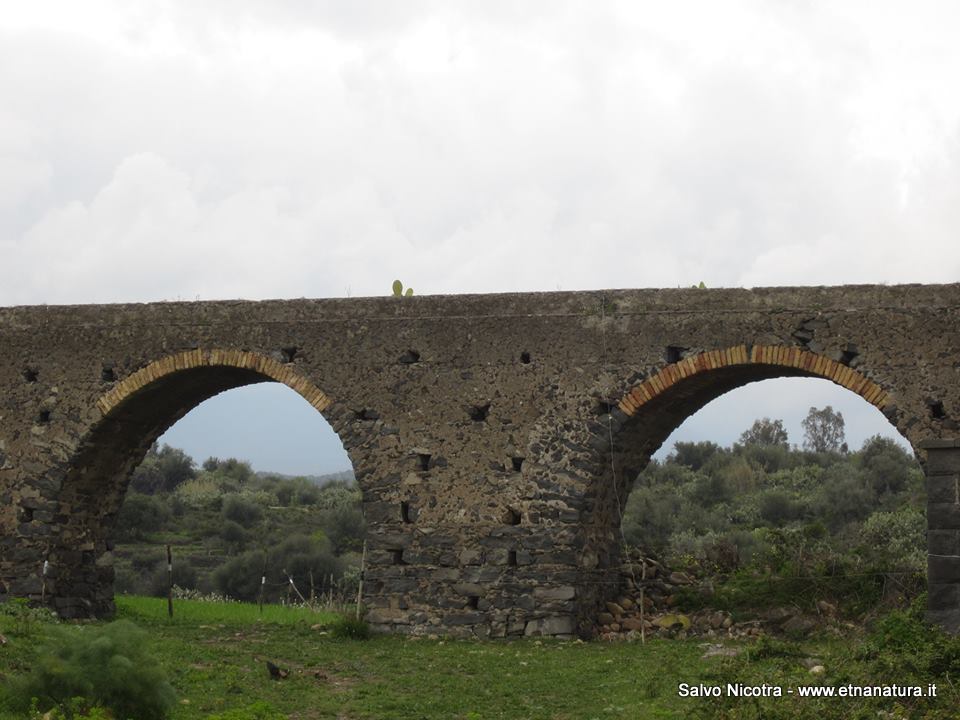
764,504
227,523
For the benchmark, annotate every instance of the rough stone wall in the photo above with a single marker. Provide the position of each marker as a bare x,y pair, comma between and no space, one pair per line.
493,436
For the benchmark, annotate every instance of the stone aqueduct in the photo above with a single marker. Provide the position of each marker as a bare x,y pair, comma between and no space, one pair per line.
493,436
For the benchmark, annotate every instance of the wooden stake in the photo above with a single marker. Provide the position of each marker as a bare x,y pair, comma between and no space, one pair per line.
169,582
263,583
43,586
363,562
643,589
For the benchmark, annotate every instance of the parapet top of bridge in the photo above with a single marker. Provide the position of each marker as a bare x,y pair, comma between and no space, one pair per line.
497,305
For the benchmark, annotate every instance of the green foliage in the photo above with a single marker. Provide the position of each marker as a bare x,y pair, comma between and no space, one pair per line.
26,617
789,526
766,432
771,647
163,470
107,666
77,708
298,555
896,539
886,466
238,471
842,497
349,627
234,535
903,648
140,515
693,455
778,507
241,511
823,431
345,527
256,711
398,290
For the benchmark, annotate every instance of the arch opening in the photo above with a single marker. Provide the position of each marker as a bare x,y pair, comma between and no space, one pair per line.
136,412
650,412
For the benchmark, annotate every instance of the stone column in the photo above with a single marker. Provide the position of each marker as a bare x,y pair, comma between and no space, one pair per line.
943,533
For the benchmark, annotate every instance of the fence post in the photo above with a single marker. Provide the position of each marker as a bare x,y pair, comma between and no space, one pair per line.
169,582
43,586
363,562
263,583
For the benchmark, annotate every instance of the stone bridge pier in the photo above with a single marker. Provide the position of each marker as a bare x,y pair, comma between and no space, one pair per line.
494,437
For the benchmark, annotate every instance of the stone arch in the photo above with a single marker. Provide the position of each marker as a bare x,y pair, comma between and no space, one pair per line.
198,358
794,361
647,413
136,411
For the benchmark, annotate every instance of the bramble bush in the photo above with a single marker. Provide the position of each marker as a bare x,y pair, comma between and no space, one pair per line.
94,667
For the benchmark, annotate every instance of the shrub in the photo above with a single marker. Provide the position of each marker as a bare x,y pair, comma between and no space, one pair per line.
897,539
348,627
778,507
693,454
107,666
233,535
140,514
242,511
158,582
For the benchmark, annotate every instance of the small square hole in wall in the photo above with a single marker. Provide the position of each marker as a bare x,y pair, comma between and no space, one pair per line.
397,556
30,375
513,517
473,602
512,558
525,358
424,460
674,353
43,417
405,512
287,354
107,374
478,413
517,463
936,409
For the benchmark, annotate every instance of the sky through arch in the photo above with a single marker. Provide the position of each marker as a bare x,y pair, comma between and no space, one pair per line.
788,399
267,424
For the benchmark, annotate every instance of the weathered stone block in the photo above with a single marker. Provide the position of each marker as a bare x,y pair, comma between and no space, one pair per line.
942,460
942,596
465,618
388,616
943,516
943,488
943,569
943,542
556,625
563,592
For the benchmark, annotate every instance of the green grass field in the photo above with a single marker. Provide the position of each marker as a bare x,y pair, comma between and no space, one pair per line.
215,656
149,611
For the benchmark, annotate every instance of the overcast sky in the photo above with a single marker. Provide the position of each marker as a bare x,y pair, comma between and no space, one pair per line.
268,148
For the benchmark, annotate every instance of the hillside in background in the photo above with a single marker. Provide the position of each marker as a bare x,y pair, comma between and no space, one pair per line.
229,525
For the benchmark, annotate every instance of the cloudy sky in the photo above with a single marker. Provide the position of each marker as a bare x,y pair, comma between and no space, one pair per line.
281,148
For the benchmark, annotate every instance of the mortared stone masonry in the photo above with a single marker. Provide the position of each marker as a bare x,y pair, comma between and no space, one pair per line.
494,436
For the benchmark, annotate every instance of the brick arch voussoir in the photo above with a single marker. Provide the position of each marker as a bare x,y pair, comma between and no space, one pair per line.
809,363
198,358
